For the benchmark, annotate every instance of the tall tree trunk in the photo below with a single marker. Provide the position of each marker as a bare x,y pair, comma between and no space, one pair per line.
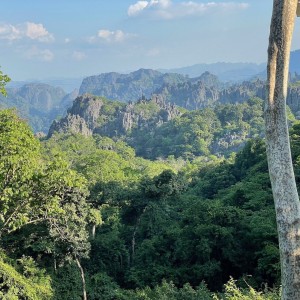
93,231
55,265
133,243
278,147
82,278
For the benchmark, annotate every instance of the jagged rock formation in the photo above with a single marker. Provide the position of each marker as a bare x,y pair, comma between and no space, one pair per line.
234,141
190,95
91,114
239,93
42,103
127,87
208,79
293,100
81,117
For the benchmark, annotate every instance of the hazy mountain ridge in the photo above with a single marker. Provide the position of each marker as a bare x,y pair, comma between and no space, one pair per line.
225,71
127,87
187,92
39,103
67,84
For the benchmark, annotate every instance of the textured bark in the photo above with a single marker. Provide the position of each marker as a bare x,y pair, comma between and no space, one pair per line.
278,147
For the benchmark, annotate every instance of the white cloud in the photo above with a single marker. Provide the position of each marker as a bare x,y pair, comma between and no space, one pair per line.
77,55
9,32
161,3
166,9
112,36
136,8
38,32
109,36
29,30
40,54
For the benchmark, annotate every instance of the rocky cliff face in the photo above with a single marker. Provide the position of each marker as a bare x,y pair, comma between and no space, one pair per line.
242,92
91,114
80,118
127,87
239,93
293,100
190,95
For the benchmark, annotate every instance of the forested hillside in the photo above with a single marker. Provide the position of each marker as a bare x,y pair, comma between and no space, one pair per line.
149,150
41,104
141,200
134,228
157,129
38,103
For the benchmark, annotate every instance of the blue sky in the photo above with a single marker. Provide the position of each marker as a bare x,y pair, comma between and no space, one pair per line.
73,38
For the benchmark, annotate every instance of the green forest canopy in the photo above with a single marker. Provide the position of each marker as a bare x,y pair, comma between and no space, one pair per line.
161,227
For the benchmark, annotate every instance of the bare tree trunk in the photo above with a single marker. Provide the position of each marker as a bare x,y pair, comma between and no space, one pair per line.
93,231
278,148
55,265
133,243
82,278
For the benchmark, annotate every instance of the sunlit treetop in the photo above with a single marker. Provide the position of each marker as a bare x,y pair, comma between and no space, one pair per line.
4,79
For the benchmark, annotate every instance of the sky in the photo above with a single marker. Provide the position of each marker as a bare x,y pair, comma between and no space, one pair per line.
42,39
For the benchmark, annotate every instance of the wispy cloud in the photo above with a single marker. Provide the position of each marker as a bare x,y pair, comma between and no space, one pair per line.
28,30
39,54
136,8
166,9
109,36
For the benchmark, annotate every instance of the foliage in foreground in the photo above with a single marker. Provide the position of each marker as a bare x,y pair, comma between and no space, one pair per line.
4,79
206,222
23,280
44,198
187,292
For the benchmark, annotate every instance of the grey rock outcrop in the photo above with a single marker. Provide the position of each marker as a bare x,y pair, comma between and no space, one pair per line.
127,87
293,99
91,114
81,117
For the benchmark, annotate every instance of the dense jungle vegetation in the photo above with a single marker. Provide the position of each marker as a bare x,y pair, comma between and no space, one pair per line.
75,207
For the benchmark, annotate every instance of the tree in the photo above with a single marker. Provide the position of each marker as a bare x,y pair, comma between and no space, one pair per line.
19,163
281,172
4,79
65,212
34,190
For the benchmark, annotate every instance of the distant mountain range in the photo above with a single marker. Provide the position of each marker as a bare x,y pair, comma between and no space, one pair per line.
227,72
234,72
67,84
189,93
39,103
128,87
